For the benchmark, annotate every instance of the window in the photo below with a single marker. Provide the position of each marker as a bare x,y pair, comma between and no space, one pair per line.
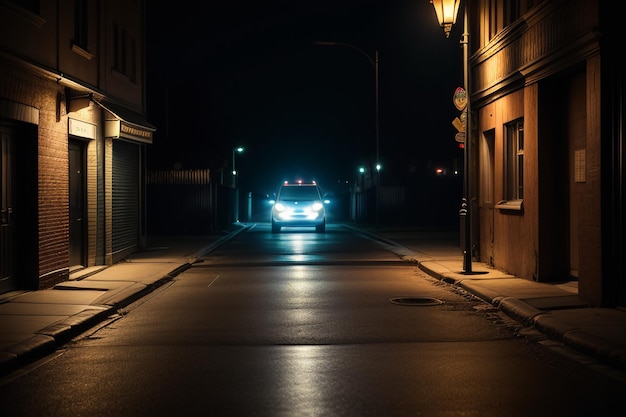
119,49
132,70
487,164
497,15
511,11
513,167
124,53
81,23
514,161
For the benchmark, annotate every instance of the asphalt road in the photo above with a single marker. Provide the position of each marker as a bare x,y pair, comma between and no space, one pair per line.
306,324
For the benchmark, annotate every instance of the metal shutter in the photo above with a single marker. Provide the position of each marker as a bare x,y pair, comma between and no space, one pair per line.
125,227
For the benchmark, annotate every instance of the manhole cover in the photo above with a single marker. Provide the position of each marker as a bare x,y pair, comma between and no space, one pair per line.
416,301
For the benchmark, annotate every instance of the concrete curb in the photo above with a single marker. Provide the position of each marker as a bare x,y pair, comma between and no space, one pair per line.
571,336
46,341
49,339
605,351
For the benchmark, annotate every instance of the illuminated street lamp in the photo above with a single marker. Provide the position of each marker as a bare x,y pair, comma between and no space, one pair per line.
447,11
236,149
362,178
359,197
374,63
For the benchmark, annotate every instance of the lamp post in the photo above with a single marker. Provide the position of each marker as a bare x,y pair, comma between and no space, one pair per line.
374,63
236,149
359,194
447,11
361,177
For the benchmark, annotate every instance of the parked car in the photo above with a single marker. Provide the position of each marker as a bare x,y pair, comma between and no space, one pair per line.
298,204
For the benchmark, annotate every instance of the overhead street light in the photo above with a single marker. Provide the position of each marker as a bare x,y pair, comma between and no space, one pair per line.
374,63
236,149
447,11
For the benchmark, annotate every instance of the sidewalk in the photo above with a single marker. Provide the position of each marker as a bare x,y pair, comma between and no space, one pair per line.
36,323
553,309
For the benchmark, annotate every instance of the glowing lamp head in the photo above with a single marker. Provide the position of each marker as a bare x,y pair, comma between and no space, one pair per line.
446,11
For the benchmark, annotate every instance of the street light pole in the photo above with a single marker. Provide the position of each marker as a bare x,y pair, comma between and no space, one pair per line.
374,63
447,11
359,194
377,142
467,250
236,149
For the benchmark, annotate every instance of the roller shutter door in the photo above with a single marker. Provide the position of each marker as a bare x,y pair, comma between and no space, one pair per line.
125,227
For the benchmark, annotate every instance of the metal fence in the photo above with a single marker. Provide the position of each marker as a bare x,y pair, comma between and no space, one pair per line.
185,202
189,176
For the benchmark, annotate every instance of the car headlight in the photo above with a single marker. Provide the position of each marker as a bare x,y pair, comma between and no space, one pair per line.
279,207
317,206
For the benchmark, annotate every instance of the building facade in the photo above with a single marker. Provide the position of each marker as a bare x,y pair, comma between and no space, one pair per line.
547,189
74,137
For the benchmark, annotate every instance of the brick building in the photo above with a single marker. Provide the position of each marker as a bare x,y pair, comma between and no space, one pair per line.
73,137
547,149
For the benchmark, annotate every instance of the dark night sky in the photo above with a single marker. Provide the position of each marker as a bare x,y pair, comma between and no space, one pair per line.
248,73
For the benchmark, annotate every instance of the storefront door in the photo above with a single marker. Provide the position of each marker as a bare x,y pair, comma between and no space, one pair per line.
8,280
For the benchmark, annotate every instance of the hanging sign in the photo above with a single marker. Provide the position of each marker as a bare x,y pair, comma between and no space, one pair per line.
460,98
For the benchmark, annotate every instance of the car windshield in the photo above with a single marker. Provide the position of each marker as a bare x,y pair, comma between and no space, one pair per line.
300,192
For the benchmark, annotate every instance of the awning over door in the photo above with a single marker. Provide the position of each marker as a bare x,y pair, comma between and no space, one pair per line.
122,122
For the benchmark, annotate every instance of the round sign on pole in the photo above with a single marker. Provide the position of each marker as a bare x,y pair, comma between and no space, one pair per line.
460,98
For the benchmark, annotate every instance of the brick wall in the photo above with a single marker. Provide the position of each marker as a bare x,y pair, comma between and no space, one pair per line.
53,187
